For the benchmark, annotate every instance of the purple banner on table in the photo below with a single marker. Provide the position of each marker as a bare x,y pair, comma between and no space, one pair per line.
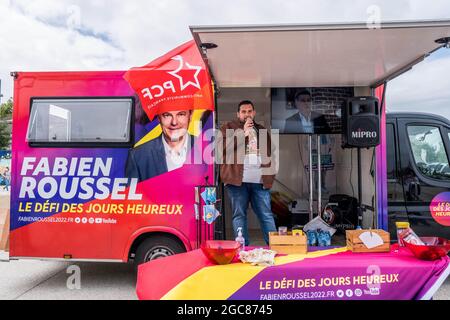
397,275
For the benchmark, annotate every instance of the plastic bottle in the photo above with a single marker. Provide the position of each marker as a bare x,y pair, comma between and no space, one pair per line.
409,236
311,237
401,226
240,238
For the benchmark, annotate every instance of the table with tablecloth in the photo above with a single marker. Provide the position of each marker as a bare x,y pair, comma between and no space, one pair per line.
331,274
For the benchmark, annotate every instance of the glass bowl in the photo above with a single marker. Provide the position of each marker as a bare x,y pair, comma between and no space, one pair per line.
220,252
433,249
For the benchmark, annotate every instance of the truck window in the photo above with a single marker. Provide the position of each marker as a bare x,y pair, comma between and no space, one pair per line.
429,151
69,121
390,150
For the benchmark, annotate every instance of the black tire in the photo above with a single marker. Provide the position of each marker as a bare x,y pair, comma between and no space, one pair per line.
156,247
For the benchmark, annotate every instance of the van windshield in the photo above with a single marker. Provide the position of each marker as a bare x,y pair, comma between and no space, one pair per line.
429,151
79,120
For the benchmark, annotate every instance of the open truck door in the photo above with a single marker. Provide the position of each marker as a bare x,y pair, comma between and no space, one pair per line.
332,55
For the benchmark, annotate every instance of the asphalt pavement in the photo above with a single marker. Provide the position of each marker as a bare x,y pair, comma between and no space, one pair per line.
43,280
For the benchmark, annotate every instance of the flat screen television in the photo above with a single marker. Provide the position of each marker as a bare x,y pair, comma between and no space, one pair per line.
309,110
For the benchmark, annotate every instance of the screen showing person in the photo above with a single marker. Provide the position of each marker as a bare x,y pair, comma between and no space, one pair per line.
165,153
308,110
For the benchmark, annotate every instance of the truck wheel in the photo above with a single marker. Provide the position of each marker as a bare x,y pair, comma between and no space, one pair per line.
155,248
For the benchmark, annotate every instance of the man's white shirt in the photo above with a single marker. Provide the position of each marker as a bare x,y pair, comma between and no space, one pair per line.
252,161
252,169
306,124
175,159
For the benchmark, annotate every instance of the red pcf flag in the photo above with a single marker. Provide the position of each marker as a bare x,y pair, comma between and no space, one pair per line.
176,81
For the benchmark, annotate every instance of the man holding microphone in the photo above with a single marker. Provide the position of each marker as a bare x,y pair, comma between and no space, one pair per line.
247,170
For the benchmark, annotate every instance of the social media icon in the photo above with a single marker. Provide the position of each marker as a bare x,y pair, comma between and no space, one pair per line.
84,220
375,291
349,293
340,293
98,220
91,220
77,220
358,292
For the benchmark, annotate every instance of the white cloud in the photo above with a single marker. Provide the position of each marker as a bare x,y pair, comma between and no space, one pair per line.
113,34
30,44
426,88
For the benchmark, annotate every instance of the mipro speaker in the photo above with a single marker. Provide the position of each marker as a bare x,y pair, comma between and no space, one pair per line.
361,123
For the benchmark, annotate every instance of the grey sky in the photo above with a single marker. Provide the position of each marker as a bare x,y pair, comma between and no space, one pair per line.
116,35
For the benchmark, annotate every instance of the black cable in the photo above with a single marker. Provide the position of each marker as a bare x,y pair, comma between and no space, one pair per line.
351,173
302,163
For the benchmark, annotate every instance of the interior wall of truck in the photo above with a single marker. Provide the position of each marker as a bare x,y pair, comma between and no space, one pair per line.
291,190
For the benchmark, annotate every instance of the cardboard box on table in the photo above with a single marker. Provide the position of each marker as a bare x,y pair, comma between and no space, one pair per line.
288,244
355,244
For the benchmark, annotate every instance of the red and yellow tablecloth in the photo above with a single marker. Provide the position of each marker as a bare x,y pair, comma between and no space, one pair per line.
328,275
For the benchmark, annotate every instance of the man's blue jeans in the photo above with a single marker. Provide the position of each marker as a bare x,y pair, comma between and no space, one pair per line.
260,200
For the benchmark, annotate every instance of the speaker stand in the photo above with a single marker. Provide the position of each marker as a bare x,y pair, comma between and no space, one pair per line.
319,175
311,195
360,208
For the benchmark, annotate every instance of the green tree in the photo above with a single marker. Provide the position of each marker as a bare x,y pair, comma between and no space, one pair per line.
6,109
4,136
5,128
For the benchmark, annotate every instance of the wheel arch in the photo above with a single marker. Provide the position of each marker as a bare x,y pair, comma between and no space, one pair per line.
144,233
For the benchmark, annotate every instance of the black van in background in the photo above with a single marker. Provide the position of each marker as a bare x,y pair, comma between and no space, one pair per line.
418,169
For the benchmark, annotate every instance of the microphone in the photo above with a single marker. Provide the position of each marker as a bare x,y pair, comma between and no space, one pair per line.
254,126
